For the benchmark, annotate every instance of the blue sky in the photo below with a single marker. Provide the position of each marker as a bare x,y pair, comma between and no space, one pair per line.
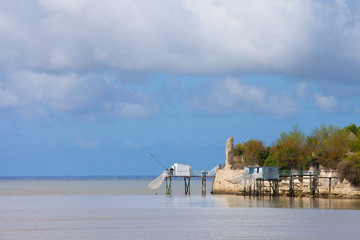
93,87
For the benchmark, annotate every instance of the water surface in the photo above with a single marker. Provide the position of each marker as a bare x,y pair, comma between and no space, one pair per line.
126,209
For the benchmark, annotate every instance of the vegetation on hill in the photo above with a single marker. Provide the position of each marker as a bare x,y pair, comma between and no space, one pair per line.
328,146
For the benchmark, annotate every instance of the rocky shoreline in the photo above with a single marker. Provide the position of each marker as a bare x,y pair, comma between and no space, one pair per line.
302,188
329,185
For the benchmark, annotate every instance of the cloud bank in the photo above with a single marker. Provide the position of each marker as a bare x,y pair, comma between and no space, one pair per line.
307,38
89,95
54,55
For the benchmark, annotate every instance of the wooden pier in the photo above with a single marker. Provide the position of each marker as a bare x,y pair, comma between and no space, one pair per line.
312,176
266,186
301,175
257,189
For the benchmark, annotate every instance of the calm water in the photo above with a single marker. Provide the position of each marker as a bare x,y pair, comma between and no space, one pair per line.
126,209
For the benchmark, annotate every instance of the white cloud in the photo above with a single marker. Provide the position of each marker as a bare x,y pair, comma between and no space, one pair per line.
60,92
280,105
232,95
53,52
301,37
326,104
231,92
8,99
32,94
301,89
83,143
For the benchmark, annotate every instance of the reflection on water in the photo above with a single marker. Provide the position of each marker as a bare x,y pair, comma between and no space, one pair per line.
284,202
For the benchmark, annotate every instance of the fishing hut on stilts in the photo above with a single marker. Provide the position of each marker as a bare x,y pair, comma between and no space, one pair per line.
265,181
255,178
182,171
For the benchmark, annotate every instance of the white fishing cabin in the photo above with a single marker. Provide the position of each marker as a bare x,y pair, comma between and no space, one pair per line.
180,170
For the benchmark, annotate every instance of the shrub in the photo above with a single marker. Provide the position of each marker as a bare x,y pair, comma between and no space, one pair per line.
329,145
238,149
349,169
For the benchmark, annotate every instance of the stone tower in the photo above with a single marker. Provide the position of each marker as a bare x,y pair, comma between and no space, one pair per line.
229,153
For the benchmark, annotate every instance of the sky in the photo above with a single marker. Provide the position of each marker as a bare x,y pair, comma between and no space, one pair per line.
93,87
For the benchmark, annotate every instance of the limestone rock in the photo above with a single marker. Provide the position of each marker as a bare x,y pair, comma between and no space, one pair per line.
229,153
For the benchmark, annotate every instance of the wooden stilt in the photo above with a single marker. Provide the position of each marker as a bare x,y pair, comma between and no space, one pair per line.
275,188
315,184
168,186
203,183
187,185
259,187
311,182
291,185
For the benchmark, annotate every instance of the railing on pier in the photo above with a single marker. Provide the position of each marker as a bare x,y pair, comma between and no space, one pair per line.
297,174
212,172
291,175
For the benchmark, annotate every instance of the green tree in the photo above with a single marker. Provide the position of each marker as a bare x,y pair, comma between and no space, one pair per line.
255,152
238,149
262,155
271,160
354,137
329,145
349,169
352,128
290,151
355,145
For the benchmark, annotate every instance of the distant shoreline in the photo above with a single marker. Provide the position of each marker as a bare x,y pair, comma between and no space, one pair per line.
75,177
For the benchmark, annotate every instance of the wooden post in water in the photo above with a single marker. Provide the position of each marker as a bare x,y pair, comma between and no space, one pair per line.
276,188
187,185
168,186
291,187
310,182
203,183
259,187
315,183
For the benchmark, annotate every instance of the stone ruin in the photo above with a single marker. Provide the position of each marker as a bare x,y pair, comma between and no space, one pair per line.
229,153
